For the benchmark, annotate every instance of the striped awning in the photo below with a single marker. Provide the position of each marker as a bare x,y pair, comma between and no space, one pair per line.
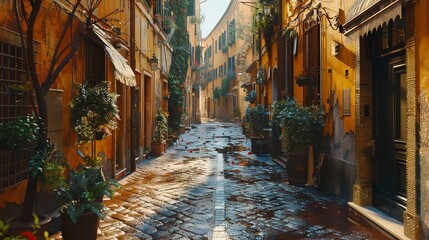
366,15
123,71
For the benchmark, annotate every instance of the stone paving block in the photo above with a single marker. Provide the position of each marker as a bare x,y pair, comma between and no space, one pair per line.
146,228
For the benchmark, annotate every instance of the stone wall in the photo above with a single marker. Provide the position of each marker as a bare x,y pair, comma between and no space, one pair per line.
338,171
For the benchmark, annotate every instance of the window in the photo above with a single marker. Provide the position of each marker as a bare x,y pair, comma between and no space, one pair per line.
13,164
220,42
95,64
231,63
224,38
215,47
312,61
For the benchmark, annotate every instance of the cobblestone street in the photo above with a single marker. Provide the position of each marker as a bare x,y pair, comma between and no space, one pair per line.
198,191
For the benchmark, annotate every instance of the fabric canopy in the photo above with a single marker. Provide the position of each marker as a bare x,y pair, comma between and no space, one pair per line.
366,15
123,71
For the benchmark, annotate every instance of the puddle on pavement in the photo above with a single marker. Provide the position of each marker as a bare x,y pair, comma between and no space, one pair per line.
239,178
244,161
231,148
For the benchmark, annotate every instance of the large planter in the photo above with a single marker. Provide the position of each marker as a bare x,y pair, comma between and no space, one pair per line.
258,145
296,168
158,148
84,229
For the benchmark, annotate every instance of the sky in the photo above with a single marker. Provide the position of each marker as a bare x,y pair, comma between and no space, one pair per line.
212,11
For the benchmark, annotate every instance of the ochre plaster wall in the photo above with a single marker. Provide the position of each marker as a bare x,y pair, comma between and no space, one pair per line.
422,50
48,29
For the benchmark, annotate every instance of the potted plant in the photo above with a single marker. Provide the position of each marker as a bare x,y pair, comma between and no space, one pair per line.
93,111
302,125
250,96
24,133
81,201
160,133
256,120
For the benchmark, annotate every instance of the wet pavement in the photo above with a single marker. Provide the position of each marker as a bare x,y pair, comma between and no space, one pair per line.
209,186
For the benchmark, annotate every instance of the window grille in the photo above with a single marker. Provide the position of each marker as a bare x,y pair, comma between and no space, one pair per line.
14,164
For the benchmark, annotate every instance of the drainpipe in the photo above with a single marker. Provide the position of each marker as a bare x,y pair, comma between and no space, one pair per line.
132,97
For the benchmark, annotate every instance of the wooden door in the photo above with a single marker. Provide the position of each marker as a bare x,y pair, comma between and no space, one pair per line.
390,105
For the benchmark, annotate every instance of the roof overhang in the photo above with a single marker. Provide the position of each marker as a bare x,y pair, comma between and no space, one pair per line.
123,71
246,84
366,15
252,67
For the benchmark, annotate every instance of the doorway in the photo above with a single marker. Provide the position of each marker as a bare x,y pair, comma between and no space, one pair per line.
390,133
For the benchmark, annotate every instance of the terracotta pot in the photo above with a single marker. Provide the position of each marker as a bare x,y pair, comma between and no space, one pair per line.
85,228
16,228
296,168
158,148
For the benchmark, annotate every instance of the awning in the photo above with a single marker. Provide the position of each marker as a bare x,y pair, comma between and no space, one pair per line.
246,84
366,15
123,71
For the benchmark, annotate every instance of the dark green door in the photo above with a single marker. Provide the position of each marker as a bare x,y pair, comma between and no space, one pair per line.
390,106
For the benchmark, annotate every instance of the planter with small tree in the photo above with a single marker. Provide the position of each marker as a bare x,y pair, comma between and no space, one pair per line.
93,109
160,134
302,126
256,120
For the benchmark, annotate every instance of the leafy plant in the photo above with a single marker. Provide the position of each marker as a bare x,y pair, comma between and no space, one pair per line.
83,192
92,109
179,63
25,235
230,75
225,49
250,96
161,127
17,133
216,93
225,86
256,119
302,125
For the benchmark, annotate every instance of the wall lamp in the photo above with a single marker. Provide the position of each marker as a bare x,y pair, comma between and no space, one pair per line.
261,77
267,7
153,62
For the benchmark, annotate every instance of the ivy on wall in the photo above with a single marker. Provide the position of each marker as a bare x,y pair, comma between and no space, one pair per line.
179,65
225,85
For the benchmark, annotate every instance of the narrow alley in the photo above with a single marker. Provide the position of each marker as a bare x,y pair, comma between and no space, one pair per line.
210,186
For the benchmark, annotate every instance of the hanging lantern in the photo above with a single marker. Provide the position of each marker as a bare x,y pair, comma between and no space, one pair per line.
261,77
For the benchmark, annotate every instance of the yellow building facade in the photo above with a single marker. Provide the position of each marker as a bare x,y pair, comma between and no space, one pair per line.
362,63
105,54
225,51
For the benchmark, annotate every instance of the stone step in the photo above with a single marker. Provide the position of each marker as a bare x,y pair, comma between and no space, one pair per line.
280,160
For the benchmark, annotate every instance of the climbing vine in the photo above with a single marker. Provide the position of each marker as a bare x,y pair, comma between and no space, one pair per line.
179,64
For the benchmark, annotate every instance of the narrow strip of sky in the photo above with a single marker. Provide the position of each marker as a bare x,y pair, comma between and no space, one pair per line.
212,11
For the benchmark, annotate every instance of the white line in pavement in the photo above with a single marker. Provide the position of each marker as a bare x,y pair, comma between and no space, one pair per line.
219,229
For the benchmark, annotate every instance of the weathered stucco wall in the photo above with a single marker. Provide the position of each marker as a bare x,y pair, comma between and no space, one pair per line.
422,50
48,29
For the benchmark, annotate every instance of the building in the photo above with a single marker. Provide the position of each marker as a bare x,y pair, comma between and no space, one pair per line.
193,76
225,51
112,49
363,63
